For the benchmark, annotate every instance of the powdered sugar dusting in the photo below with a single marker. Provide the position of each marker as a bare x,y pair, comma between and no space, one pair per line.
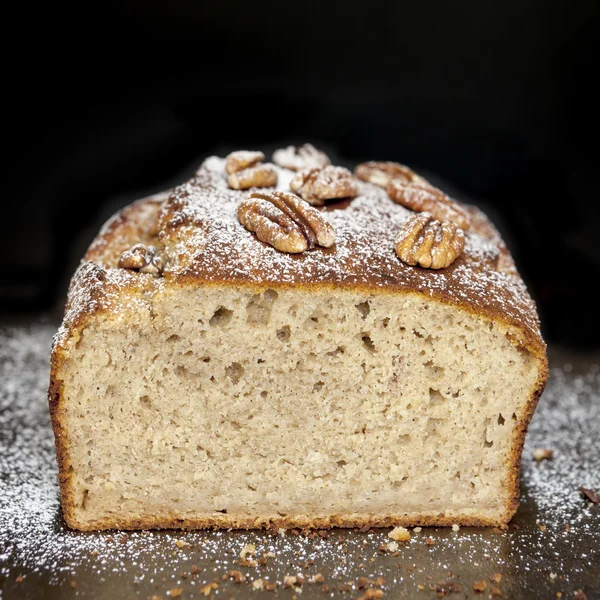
554,548
363,256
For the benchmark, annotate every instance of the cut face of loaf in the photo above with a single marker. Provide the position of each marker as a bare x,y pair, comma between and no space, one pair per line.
239,408
218,382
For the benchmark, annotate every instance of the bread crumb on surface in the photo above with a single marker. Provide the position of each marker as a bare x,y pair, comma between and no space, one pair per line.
480,586
455,527
400,534
392,546
175,592
258,584
540,454
248,550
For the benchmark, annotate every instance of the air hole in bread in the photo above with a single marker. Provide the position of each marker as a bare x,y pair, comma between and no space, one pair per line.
364,308
318,386
173,338
337,351
259,308
435,397
368,343
221,317
234,371
284,333
501,419
145,401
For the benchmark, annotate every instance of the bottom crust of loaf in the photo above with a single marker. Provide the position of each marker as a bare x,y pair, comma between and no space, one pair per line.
293,522
232,407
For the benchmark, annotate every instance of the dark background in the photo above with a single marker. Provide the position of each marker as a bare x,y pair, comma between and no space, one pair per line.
495,101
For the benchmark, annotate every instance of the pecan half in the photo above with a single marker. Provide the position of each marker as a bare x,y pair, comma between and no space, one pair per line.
425,241
300,158
285,221
242,159
422,198
381,173
142,258
317,185
257,176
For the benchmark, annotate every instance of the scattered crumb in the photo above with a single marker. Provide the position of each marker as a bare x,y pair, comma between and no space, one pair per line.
248,550
480,586
73,584
542,527
208,588
181,543
418,529
590,495
552,576
236,576
155,597
289,581
258,584
371,594
318,578
540,454
430,541
175,592
420,587
269,555
455,527
19,579
281,531
447,587
559,595
495,592
496,578
392,546
400,534
579,595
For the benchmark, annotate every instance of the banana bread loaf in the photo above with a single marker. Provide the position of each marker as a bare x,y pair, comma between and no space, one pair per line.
294,345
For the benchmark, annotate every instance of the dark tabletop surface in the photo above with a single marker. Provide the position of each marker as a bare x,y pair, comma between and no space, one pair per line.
550,550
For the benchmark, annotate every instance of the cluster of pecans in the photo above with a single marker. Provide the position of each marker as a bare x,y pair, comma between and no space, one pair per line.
245,170
433,238
287,221
143,259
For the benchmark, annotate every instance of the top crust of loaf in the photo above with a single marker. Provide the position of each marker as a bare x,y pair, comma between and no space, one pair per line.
196,227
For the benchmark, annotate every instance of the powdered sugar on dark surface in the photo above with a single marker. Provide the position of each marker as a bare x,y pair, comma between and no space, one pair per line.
551,546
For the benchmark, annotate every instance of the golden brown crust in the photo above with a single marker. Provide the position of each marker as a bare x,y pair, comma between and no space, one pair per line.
276,522
196,228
